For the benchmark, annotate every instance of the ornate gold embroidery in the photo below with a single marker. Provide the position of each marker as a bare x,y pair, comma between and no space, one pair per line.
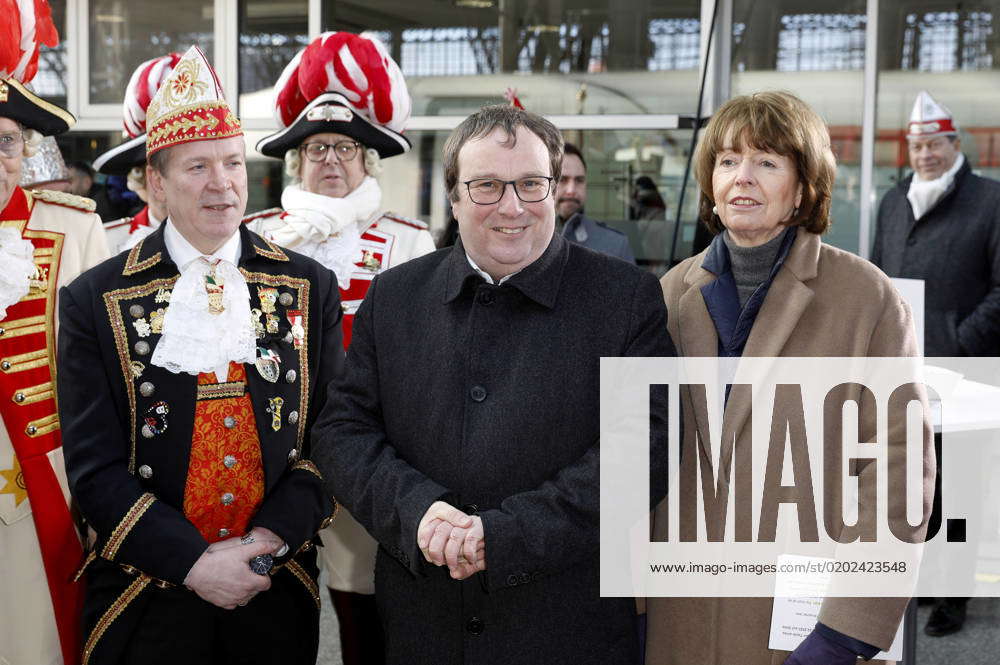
112,613
306,465
24,361
124,527
132,263
221,390
274,252
42,426
32,394
295,568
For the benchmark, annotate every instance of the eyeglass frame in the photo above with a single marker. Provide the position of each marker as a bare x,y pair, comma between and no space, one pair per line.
513,183
18,140
304,147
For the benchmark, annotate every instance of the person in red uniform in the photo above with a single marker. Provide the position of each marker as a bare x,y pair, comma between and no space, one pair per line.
206,351
46,239
342,104
129,158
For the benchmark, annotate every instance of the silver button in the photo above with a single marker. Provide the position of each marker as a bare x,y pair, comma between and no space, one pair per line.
229,422
229,461
146,388
147,432
141,347
18,397
293,455
5,365
31,429
1,331
136,311
223,533
291,375
293,417
286,299
146,471
227,498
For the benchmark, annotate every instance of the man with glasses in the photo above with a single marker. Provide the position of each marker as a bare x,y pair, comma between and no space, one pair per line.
46,239
342,103
465,433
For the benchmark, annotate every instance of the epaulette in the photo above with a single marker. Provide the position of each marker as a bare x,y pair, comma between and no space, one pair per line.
263,213
116,223
415,223
64,199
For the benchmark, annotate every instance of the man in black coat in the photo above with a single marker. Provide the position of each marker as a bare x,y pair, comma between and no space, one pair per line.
465,433
191,369
942,225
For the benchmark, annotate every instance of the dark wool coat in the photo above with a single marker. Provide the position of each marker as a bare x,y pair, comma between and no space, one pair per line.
955,248
488,396
130,487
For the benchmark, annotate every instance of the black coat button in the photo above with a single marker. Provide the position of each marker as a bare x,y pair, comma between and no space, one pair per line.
525,578
486,297
475,625
512,580
478,393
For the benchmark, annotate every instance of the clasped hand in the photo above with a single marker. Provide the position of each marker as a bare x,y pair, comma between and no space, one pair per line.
449,537
222,574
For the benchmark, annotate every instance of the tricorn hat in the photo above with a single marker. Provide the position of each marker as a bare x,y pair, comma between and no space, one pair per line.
142,86
343,83
22,33
929,119
189,106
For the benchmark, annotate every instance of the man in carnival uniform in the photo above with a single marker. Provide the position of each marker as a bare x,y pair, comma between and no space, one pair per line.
129,158
46,239
342,104
206,351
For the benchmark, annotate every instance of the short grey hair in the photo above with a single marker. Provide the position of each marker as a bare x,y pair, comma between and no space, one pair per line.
508,118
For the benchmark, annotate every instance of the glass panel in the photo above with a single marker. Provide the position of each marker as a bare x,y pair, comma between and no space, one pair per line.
114,197
50,81
125,34
951,51
271,33
585,57
790,46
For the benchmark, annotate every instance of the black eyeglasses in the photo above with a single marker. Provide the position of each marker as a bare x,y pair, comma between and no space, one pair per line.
345,151
487,191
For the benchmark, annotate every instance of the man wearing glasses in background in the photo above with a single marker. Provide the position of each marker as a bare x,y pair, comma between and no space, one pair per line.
342,104
464,443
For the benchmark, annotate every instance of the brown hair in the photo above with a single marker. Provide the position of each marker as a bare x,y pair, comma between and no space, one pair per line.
506,117
781,123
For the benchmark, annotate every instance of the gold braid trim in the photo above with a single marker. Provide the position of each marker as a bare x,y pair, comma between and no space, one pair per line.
112,613
306,465
295,568
128,522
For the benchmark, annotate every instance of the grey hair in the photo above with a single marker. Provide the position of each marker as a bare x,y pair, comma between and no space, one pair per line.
32,141
136,180
293,163
508,118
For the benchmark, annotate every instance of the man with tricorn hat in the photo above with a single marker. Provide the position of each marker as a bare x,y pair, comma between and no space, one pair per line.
129,158
942,225
342,105
46,239
205,351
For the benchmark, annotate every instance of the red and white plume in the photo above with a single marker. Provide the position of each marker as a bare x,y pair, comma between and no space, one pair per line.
145,81
24,26
510,94
358,67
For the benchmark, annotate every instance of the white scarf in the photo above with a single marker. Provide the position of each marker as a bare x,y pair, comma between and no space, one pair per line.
924,194
326,228
194,340
17,259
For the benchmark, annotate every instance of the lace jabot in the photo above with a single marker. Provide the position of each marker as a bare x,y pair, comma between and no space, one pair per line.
17,259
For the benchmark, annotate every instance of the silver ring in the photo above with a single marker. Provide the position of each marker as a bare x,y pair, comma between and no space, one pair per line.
244,603
247,539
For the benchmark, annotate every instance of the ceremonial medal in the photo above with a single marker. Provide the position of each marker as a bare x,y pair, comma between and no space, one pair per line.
214,287
295,317
268,296
136,368
272,323
156,417
156,320
142,327
162,295
258,325
268,364
39,282
275,410
369,261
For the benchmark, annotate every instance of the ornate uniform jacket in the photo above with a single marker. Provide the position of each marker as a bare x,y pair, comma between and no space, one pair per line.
388,240
129,432
348,550
39,544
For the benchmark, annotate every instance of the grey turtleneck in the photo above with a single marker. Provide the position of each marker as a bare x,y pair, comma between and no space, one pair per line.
751,265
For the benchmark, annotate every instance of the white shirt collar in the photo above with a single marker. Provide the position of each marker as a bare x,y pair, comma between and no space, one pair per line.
485,275
154,221
183,253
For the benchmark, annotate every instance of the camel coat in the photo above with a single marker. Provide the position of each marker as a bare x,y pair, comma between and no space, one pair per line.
823,302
